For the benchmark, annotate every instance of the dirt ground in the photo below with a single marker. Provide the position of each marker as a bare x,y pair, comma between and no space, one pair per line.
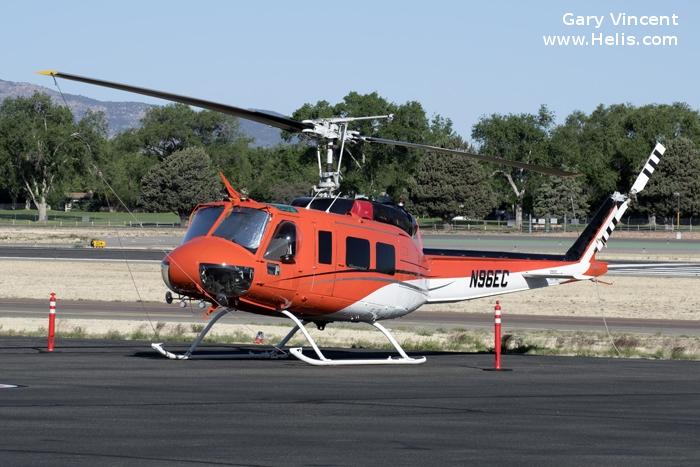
628,297
74,236
82,280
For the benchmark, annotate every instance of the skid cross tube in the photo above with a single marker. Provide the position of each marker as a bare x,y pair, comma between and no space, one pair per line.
173,356
276,352
322,360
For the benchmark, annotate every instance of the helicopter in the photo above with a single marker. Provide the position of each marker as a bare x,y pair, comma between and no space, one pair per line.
326,258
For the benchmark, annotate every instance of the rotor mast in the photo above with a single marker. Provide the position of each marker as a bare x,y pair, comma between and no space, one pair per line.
330,135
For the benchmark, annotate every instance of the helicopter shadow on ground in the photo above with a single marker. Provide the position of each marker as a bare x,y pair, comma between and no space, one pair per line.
237,352
22,344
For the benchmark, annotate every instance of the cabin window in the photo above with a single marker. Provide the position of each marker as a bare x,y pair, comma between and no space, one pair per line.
325,247
202,221
357,253
283,246
386,258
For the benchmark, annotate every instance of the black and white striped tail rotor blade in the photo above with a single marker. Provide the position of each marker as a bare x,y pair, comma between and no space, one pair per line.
480,157
622,202
649,167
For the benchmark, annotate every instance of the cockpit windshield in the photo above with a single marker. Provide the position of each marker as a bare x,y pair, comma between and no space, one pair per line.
203,219
244,226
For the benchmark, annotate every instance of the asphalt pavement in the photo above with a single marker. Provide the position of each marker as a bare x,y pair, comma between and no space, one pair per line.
98,403
78,254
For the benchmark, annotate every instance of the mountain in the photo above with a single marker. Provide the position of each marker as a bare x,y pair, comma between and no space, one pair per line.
120,115
263,135
124,115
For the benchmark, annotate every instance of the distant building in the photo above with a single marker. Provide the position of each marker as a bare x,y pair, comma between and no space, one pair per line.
75,199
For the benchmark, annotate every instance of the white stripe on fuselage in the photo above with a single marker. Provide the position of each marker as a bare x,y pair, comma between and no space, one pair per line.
400,298
466,288
391,301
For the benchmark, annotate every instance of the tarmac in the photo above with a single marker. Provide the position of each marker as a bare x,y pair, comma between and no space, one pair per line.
118,403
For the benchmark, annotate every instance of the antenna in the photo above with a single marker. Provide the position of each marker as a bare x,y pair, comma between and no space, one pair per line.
308,206
333,202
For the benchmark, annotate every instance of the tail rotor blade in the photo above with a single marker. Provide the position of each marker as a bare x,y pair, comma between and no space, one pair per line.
648,169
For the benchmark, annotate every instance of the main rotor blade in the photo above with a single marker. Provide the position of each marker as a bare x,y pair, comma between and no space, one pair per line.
278,121
480,157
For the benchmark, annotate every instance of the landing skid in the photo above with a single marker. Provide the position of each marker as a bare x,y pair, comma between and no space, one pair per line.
275,353
322,360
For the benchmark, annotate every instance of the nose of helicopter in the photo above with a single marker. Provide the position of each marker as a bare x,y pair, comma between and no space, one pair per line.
210,268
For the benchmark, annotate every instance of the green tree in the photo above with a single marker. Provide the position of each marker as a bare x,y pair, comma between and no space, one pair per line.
10,181
610,145
678,172
374,169
517,137
559,197
117,172
165,130
276,174
448,185
180,182
119,180
174,127
42,142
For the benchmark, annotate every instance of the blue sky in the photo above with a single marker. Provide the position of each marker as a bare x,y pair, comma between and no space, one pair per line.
461,59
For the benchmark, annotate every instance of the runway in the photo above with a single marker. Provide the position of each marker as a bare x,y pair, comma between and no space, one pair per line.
418,320
654,269
118,404
558,245
81,254
629,268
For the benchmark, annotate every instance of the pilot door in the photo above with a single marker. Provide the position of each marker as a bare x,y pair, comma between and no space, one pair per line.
282,261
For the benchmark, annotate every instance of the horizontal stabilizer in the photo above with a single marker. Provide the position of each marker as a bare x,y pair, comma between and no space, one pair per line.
534,275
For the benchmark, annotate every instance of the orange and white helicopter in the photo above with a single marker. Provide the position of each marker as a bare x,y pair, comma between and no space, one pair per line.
327,258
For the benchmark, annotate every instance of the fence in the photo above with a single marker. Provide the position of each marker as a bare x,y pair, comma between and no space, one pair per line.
534,225
98,223
88,219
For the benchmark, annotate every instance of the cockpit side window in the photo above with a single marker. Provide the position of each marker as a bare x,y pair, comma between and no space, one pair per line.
244,226
202,221
283,243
